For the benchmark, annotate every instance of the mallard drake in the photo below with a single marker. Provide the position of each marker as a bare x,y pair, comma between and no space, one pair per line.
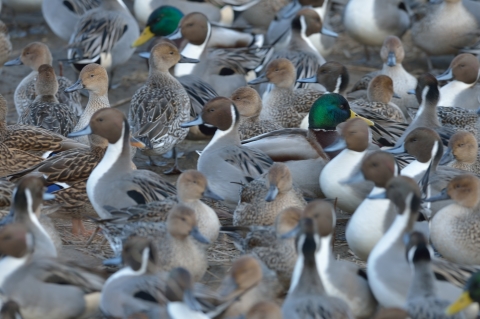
62,16
175,241
461,91
74,292
422,300
249,105
46,111
159,106
462,153
263,199
113,182
468,297
233,163
34,55
103,35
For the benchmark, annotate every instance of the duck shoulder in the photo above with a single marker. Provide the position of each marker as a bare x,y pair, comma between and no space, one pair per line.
252,126
151,186
239,60
13,160
250,161
199,91
388,110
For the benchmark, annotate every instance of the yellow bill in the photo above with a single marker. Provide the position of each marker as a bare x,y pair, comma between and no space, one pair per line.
353,115
146,35
462,302
137,143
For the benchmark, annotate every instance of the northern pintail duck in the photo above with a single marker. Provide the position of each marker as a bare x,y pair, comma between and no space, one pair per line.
88,43
370,22
5,44
10,310
249,105
461,91
113,182
162,104
453,228
332,75
233,163
391,288
372,217
339,278
191,187
46,111
256,14
75,291
34,55
461,33
422,300
62,16
379,99
468,296
307,296
356,138
284,104
177,241
264,198
462,153
392,54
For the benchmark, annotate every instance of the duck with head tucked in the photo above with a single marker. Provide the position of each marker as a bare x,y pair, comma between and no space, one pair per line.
462,152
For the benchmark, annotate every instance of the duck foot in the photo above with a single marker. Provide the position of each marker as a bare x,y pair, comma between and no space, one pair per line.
78,228
175,169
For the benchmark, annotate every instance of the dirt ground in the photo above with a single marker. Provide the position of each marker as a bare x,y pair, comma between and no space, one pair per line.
132,75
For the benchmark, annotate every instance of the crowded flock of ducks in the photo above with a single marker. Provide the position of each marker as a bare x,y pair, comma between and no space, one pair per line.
287,150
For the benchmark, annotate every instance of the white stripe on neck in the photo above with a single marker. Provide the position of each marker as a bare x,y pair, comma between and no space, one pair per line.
303,34
194,52
219,133
33,216
128,271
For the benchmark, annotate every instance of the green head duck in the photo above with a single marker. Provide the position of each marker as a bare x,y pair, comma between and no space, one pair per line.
161,22
470,295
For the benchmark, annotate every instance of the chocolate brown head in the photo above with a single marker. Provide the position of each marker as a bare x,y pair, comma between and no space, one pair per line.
356,134
108,123
379,167
220,112
309,20
14,240
465,68
323,215
194,27
380,89
424,143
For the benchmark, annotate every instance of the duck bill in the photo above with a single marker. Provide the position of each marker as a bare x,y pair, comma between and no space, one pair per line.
184,59
208,193
198,236
272,193
137,143
48,196
461,303
382,195
197,121
353,115
86,131
312,79
442,196
391,59
329,32
190,300
396,150
447,157
146,35
292,233
114,261
261,79
145,55
338,145
13,62
448,75
412,91
75,87
177,34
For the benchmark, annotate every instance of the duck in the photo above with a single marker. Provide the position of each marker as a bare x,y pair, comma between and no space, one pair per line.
144,9
46,111
461,91
139,275
5,44
463,22
462,214
113,182
422,300
270,244
262,200
62,16
337,275
233,162
332,75
392,53
384,18
284,104
34,55
391,289
467,297
462,153
307,294
256,14
162,104
356,136
178,241
192,186
88,43
373,216
31,139
249,105
13,160
74,293
10,310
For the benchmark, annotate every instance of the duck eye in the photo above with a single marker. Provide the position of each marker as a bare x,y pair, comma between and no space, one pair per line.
171,52
461,145
211,110
276,70
92,75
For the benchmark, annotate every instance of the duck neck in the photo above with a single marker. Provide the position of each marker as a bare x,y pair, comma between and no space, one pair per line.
300,42
309,282
427,113
118,154
129,271
324,256
193,51
224,138
423,283
95,103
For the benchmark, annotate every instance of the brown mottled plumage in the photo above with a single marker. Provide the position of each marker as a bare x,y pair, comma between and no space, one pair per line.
5,44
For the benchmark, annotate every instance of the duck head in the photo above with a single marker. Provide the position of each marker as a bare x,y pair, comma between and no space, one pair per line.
279,180
392,52
423,143
355,136
463,189
287,221
247,101
323,215
33,55
192,185
180,288
380,89
417,248
194,27
93,78
462,147
379,167
280,72
139,254
471,294
28,197
219,112
332,75
161,22
244,275
308,22
464,67
46,83
165,55
427,91
181,223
